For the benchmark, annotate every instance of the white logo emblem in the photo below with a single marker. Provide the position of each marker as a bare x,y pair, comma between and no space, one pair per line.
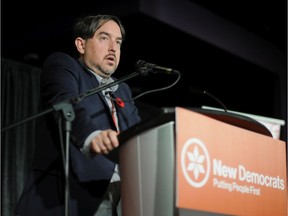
195,162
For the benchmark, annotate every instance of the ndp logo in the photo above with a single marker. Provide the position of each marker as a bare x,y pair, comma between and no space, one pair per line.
195,162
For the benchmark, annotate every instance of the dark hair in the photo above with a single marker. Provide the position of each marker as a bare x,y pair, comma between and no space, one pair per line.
87,26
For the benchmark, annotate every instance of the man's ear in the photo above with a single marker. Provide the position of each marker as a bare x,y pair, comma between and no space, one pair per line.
80,45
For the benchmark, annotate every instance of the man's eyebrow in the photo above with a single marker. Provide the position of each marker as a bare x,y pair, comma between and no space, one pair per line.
107,34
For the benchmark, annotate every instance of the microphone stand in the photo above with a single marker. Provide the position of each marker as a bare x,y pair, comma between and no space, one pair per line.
68,115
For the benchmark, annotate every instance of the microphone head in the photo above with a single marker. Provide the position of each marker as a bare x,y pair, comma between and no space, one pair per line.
139,63
144,68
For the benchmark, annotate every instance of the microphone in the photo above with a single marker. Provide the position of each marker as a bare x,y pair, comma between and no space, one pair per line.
205,92
144,68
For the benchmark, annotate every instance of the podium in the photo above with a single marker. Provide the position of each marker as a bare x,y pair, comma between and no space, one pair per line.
192,162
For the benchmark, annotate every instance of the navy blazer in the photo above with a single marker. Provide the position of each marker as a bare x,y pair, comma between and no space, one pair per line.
62,78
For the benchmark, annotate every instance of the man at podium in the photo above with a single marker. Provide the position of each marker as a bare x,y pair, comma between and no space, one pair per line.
93,179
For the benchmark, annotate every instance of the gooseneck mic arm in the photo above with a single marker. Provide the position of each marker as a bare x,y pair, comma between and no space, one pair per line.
215,98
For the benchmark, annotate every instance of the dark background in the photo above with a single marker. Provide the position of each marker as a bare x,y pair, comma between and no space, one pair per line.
235,50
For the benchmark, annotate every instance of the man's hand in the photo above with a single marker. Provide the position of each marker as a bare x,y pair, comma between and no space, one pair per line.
105,142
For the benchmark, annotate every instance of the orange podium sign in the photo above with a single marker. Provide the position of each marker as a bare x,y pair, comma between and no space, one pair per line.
226,169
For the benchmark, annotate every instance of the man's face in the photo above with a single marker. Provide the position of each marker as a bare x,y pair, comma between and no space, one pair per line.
102,52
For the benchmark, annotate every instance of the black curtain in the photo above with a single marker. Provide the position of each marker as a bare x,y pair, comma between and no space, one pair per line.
19,101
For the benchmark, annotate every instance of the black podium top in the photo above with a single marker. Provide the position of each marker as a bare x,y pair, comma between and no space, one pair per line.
236,120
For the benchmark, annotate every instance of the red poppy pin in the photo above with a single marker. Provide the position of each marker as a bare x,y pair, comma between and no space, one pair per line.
120,102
